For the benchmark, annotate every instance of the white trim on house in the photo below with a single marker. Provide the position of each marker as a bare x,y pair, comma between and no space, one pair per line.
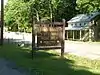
76,28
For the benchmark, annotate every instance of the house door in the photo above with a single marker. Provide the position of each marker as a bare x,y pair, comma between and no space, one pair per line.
77,34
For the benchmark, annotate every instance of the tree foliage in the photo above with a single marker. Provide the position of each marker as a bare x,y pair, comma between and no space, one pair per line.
18,12
88,6
16,15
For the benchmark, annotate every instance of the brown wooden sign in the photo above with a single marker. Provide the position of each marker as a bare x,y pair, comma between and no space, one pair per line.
48,36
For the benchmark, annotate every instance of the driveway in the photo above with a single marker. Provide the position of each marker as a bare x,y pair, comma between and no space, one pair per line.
85,49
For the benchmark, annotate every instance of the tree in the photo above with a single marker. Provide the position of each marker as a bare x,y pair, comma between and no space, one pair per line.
66,9
16,15
17,12
88,6
2,22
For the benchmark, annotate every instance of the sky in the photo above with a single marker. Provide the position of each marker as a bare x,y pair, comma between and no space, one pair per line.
5,1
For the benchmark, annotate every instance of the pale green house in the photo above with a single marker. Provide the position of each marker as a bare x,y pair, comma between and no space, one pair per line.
84,27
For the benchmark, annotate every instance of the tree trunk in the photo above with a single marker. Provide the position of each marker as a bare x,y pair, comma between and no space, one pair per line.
2,21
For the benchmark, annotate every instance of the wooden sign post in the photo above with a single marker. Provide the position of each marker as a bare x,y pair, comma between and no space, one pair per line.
50,36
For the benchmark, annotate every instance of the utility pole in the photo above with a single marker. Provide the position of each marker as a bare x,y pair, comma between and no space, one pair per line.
2,22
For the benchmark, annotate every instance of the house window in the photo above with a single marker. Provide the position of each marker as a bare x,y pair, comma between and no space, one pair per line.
71,24
89,17
91,14
84,23
75,24
80,24
91,22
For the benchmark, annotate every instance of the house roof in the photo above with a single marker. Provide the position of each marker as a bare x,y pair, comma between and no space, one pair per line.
84,17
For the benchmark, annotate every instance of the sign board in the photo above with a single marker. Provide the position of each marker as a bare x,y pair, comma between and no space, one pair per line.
49,36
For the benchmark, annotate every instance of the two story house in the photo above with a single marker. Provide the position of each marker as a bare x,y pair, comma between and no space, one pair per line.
84,27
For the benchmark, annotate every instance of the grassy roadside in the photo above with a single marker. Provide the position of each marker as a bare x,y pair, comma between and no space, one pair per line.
49,62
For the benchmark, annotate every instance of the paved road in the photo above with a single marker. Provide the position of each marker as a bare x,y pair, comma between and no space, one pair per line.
85,49
9,68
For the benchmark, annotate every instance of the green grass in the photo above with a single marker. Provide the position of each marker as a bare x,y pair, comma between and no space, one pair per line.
49,62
